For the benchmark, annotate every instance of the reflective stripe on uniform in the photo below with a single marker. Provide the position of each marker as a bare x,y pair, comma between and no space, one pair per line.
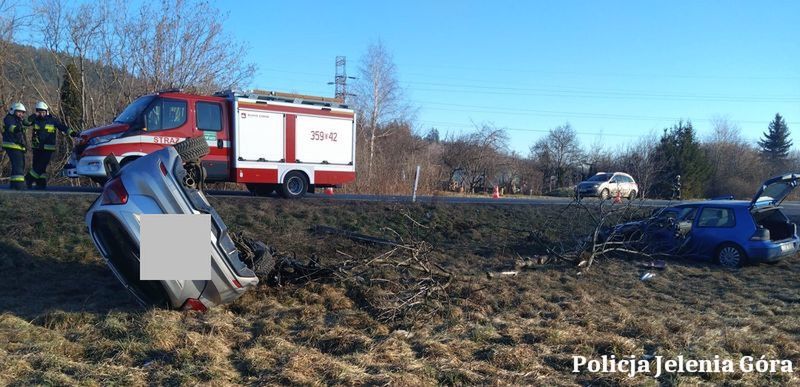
49,147
34,174
11,145
50,128
17,178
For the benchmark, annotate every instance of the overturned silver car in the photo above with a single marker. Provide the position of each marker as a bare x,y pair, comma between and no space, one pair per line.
169,181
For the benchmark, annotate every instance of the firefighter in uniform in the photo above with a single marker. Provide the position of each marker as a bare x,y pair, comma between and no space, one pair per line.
43,143
15,143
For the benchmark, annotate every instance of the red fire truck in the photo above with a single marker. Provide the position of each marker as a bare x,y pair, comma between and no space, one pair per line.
266,140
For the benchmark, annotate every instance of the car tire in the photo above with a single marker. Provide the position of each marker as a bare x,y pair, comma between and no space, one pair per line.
730,255
192,149
604,194
295,185
265,264
261,189
632,195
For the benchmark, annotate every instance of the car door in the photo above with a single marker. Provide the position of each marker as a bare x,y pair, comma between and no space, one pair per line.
210,122
166,119
713,225
626,186
660,230
614,185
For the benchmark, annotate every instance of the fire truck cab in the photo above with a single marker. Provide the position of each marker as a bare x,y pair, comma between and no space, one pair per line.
266,140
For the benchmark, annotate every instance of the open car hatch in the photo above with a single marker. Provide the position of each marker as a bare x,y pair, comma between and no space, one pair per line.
774,191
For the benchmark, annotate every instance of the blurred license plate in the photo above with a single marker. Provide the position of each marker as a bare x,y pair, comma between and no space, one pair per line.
787,246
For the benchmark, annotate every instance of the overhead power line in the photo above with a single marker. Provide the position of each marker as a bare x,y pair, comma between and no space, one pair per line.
573,92
484,70
567,114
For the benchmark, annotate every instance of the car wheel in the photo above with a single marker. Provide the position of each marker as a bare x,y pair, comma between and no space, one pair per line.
730,255
264,265
604,194
294,186
632,195
192,149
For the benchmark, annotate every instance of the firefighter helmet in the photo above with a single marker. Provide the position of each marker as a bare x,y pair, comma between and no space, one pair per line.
42,106
18,106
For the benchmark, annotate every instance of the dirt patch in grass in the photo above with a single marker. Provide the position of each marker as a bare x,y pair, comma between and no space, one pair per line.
65,320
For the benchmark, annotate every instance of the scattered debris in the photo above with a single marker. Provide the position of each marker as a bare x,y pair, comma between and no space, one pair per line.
659,264
319,229
647,276
399,285
491,274
276,268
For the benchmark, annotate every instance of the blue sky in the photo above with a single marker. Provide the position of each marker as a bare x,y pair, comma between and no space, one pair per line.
614,70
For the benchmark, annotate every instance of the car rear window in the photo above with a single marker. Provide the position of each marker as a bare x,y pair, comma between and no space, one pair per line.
716,217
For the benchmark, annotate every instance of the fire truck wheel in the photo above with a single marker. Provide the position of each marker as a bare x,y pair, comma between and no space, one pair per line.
295,185
192,149
127,160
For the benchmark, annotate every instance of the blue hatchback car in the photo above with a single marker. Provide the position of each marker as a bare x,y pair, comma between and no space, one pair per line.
731,232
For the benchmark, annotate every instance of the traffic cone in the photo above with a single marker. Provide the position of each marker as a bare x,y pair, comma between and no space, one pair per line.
329,191
618,198
496,194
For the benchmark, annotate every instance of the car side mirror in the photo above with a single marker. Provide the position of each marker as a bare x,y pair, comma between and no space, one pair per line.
111,166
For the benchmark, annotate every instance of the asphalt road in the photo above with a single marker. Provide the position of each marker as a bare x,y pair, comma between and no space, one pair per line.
367,198
791,209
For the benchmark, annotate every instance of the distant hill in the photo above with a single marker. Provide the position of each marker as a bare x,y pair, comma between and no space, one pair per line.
29,74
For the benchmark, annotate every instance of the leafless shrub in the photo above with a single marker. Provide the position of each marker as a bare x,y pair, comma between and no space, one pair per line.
601,230
400,285
558,153
476,160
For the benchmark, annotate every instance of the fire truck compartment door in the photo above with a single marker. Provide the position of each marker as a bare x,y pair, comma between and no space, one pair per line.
260,135
324,140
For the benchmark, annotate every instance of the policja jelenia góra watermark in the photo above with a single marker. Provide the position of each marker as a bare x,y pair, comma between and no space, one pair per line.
657,365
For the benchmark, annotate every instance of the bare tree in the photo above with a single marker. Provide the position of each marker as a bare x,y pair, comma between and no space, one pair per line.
736,168
10,21
379,98
71,35
559,152
121,52
475,160
639,161
182,44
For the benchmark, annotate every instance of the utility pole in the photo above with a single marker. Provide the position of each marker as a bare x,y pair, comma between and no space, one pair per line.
341,79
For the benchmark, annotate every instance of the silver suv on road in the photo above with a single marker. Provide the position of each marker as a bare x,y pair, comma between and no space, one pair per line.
607,185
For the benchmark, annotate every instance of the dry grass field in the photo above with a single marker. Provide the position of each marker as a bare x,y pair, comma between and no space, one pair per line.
64,320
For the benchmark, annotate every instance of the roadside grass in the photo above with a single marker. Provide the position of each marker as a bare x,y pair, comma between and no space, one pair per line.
65,320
